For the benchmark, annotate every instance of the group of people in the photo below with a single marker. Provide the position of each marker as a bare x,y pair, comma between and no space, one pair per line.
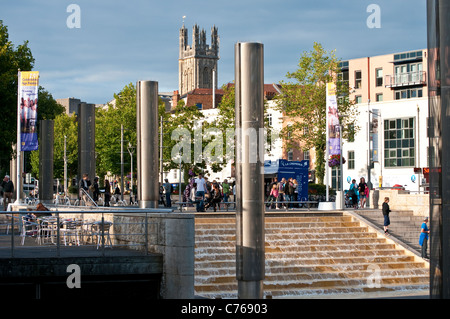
358,193
93,188
28,115
207,194
282,191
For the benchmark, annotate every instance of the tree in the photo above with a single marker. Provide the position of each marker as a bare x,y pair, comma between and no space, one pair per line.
11,60
108,123
226,119
183,122
304,98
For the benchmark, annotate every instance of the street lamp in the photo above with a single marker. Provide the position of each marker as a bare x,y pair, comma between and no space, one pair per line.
131,150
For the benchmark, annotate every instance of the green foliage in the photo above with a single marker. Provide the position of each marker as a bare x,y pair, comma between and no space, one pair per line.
226,121
304,99
11,60
108,123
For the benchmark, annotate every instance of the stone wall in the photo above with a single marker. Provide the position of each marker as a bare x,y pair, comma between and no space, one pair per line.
169,234
419,204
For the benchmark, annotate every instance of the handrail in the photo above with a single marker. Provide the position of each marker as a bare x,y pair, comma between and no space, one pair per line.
89,196
125,233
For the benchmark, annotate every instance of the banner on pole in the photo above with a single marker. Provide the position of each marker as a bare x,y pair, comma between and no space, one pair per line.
28,100
333,143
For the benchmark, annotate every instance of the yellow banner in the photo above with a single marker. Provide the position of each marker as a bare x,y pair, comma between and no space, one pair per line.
30,78
331,89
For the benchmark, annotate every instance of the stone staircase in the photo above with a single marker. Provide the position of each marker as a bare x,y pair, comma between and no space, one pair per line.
308,255
405,226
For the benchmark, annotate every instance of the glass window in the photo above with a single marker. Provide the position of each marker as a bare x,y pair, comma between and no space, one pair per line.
379,97
306,155
399,142
379,77
351,160
290,155
358,79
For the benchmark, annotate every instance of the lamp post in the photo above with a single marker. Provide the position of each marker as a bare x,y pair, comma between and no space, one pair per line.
131,150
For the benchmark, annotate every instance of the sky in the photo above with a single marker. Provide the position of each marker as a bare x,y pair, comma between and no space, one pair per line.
111,43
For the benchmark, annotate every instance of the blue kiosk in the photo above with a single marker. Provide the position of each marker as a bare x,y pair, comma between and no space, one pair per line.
290,169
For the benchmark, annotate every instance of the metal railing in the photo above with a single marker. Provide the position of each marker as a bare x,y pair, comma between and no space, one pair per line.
403,79
73,232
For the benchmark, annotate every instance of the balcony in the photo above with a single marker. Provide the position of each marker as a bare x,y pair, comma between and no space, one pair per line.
406,79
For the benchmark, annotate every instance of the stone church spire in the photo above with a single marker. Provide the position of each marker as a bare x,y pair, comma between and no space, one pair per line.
197,62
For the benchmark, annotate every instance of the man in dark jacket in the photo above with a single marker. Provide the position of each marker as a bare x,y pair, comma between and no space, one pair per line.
8,190
386,211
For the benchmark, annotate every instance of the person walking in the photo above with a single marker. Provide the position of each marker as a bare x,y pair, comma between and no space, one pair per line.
216,197
168,192
289,192
362,191
353,193
96,191
8,190
281,197
423,239
226,190
386,211
107,193
85,183
273,196
201,189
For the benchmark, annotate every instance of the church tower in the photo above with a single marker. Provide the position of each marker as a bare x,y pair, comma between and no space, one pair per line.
197,62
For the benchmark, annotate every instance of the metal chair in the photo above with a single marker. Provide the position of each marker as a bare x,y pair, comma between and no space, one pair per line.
101,230
71,228
29,229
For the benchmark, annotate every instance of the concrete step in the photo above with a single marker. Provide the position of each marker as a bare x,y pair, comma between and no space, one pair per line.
306,255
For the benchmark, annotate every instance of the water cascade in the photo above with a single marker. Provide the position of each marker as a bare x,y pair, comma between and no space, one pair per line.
307,256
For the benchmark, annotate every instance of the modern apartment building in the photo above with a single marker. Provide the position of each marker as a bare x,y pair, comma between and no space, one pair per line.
392,99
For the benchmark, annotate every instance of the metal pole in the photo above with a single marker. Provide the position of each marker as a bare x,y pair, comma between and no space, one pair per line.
179,188
369,162
18,144
147,139
161,152
121,162
250,259
65,166
341,175
326,149
46,161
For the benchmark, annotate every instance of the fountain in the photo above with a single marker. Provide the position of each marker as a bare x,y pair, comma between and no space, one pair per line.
308,256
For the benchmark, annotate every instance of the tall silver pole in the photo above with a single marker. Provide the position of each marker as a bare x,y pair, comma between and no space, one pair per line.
327,168
341,175
250,259
121,163
369,162
18,144
65,166
161,151
147,143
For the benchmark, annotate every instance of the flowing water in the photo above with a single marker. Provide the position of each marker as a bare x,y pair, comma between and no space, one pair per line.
307,257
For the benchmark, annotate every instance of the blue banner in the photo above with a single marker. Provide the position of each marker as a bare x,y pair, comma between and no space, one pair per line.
28,103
